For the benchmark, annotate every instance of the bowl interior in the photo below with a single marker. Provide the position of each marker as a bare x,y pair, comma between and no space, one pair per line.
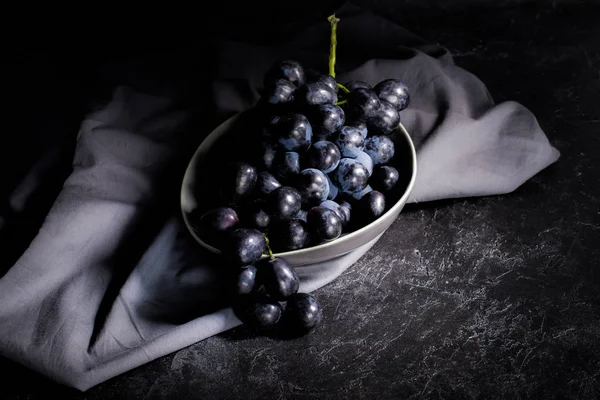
238,138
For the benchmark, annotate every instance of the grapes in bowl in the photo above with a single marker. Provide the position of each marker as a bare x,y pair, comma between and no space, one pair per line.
314,171
304,178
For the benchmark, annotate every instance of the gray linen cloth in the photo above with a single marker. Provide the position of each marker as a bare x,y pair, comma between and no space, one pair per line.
80,309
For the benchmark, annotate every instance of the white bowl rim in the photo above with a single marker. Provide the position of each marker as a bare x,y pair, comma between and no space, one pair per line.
323,246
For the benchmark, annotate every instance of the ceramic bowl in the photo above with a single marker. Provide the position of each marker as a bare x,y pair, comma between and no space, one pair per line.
230,139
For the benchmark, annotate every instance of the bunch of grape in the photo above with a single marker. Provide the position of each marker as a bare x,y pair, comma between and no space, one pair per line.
321,169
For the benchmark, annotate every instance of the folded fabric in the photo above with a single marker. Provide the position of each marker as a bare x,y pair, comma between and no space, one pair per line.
113,281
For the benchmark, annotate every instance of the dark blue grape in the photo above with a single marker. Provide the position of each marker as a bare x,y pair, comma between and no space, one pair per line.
335,207
289,235
246,281
327,80
293,132
284,203
362,104
289,70
384,178
370,207
214,225
302,215
349,140
353,85
266,183
253,216
280,92
268,151
394,92
385,120
270,125
322,155
238,182
302,313
323,223
286,166
333,189
244,246
362,193
346,209
380,148
257,311
313,186
365,160
326,119
278,277
317,93
361,126
350,176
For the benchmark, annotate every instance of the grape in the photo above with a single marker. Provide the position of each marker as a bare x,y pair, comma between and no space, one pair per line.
385,120
365,160
214,225
278,277
302,215
286,166
258,311
326,119
362,104
333,189
361,126
346,209
370,207
380,148
238,182
353,85
322,155
394,92
313,186
284,203
293,132
335,207
246,281
244,246
324,223
362,193
384,178
268,151
327,80
253,216
317,93
289,235
350,176
302,313
349,140
266,183
280,92
289,70
270,125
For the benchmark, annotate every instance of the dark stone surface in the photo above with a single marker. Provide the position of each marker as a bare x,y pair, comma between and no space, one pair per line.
495,297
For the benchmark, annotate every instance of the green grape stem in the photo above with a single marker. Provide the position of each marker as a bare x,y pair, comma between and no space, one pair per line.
333,44
344,89
271,256
333,20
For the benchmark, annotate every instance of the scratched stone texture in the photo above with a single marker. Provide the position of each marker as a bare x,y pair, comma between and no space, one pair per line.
482,298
